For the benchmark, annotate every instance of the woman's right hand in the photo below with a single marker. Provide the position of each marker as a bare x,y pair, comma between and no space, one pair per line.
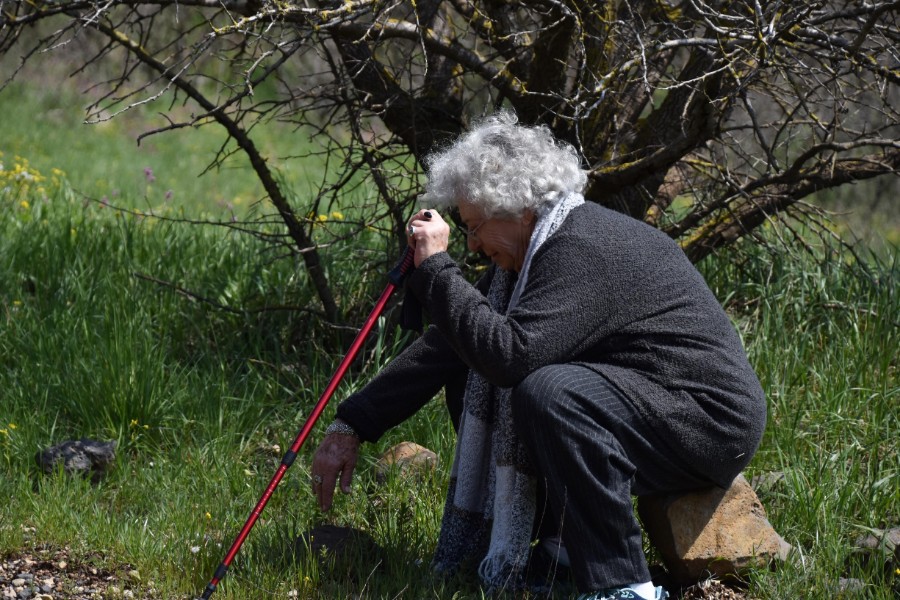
427,234
335,457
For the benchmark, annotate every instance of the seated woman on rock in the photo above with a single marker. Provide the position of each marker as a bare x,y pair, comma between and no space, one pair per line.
589,364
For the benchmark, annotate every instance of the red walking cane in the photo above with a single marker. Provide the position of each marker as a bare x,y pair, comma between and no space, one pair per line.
395,277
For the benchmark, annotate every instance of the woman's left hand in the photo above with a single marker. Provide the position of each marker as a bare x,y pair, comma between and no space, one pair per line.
428,234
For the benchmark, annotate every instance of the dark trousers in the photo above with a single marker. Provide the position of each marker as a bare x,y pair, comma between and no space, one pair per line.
592,451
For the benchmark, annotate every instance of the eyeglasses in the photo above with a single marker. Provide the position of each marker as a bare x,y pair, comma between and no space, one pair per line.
467,232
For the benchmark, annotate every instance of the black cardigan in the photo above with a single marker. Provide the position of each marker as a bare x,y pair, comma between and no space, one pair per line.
606,291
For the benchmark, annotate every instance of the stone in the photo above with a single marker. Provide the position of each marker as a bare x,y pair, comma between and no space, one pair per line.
889,539
850,586
767,482
712,589
715,532
82,457
409,458
880,545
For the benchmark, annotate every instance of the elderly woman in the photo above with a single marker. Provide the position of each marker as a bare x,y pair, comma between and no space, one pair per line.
592,360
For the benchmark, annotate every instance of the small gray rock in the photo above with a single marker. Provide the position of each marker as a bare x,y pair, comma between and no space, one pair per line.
766,482
889,539
83,457
850,586
877,547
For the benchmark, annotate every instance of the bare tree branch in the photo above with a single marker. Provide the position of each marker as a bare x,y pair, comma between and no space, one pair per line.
705,118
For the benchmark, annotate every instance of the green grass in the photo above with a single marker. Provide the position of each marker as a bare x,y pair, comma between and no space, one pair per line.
197,397
163,173
824,342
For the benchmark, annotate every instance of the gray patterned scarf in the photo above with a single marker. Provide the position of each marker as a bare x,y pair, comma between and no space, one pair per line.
490,507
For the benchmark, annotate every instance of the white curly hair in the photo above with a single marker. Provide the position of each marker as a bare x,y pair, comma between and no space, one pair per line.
503,168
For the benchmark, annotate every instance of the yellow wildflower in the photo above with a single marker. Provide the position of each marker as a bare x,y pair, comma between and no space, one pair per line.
337,216
322,218
12,426
4,432
134,422
208,516
24,204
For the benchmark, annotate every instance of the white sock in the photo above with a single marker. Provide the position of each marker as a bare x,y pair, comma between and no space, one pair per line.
645,590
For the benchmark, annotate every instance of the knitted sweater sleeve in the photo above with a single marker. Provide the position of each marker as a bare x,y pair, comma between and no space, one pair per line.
407,383
550,324
403,387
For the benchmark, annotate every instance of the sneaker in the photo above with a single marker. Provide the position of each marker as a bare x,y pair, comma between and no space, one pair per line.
623,594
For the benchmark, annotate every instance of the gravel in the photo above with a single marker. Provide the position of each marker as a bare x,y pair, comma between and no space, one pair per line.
54,575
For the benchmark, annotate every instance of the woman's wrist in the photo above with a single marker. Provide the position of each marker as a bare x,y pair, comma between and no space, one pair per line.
341,428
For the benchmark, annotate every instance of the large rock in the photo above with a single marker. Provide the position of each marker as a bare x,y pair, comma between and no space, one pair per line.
712,532
84,457
409,458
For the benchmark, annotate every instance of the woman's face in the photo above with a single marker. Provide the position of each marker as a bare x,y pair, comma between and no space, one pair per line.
503,240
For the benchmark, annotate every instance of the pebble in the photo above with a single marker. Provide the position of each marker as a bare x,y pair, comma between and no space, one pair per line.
850,586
